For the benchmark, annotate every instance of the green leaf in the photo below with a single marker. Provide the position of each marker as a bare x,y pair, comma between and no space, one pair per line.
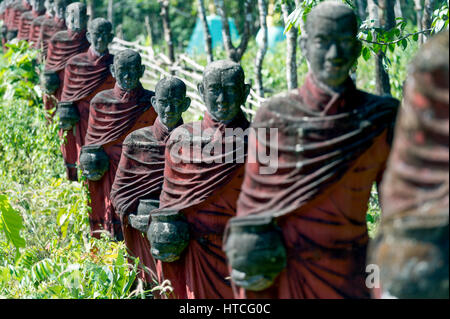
415,37
392,47
404,43
11,222
366,53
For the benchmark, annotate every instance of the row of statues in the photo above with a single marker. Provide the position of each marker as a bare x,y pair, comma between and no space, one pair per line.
254,214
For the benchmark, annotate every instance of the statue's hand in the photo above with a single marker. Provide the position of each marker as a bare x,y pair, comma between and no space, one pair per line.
49,82
139,222
256,255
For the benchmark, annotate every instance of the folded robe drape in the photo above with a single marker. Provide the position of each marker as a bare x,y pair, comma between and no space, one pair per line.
35,29
62,46
331,149
113,115
15,13
140,175
86,74
202,181
48,28
415,190
26,19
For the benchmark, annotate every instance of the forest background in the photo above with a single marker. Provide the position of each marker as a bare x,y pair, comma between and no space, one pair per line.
45,249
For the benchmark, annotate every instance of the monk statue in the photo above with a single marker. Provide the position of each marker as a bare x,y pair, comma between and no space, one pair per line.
17,10
411,247
300,230
54,24
140,175
86,75
62,46
26,19
113,115
35,28
203,172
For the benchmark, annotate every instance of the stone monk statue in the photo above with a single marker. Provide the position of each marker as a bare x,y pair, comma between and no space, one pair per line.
35,28
15,13
86,75
140,175
54,24
203,173
300,230
113,115
26,19
411,247
62,46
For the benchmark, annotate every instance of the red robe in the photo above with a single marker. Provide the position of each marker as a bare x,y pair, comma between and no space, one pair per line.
35,29
113,115
15,13
86,74
140,175
26,19
206,194
331,149
48,29
414,225
62,46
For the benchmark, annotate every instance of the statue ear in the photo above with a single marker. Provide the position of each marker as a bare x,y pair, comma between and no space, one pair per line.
113,70
358,48
201,90
142,71
88,37
187,104
153,100
303,40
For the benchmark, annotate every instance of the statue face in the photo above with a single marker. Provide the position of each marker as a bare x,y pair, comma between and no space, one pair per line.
99,36
223,92
331,48
76,19
170,103
50,10
38,5
127,74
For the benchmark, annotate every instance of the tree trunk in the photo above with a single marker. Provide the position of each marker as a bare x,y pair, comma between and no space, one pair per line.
207,32
234,54
291,49
90,9
111,12
148,27
262,7
167,29
398,9
386,21
361,6
418,8
427,18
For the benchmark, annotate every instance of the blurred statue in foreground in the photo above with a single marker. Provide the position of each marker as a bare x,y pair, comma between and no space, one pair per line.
411,248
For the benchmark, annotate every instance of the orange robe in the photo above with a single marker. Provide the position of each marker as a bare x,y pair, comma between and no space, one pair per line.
331,149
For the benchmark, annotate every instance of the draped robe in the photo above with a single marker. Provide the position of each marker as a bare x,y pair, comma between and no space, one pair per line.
113,115
15,13
414,227
331,149
62,46
48,29
35,29
26,19
140,175
205,192
86,74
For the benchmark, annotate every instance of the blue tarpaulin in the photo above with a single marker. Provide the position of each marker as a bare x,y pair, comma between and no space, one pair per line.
197,42
274,36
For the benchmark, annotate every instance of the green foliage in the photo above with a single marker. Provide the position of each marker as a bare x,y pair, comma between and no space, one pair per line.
45,249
